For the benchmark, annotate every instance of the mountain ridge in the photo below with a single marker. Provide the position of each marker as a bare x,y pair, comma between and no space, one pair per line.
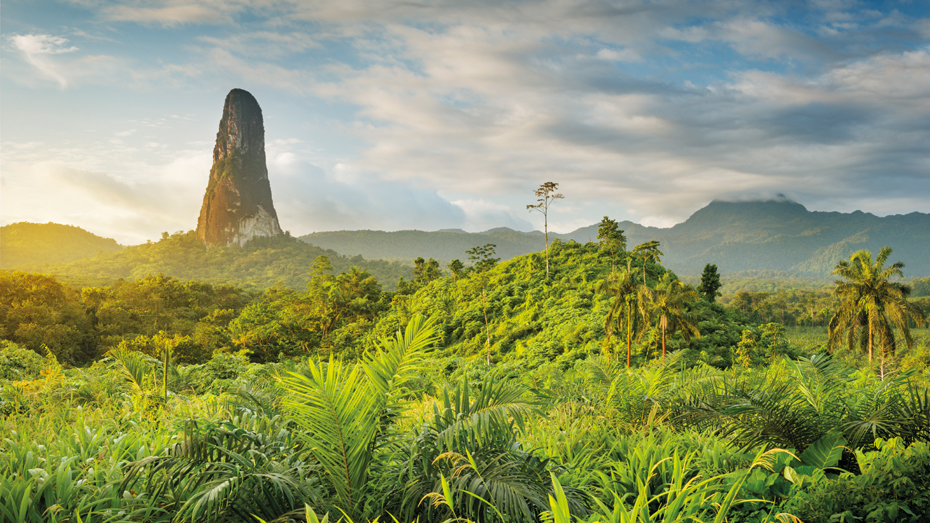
763,235
739,237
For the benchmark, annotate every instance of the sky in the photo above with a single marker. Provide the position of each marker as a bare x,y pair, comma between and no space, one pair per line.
448,114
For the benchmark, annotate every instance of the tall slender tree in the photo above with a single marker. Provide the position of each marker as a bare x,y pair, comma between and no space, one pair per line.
670,307
628,312
871,305
546,195
612,238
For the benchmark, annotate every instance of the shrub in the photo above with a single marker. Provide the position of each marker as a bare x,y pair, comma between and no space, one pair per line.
19,364
894,486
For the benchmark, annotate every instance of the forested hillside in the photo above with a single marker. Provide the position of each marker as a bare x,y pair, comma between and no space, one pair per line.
262,263
756,239
607,390
34,244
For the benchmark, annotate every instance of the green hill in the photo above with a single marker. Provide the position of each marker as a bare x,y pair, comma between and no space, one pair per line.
35,244
533,321
760,237
261,263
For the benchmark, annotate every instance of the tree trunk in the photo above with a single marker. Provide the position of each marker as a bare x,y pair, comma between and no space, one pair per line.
629,335
663,343
486,326
167,360
546,229
870,338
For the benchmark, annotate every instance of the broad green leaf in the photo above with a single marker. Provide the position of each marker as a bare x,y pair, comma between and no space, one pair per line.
825,452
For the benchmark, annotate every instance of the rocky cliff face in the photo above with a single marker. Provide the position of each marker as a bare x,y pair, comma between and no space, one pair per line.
237,205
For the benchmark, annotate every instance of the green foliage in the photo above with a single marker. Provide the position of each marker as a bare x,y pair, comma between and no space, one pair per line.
347,411
39,313
920,287
482,257
19,364
229,471
872,306
894,486
795,403
611,238
710,283
760,346
469,452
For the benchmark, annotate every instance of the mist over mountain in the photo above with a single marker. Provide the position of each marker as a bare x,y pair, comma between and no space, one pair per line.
772,235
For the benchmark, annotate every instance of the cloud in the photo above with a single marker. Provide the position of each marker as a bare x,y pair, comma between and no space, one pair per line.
489,111
307,199
757,38
167,15
265,44
38,50
458,110
261,73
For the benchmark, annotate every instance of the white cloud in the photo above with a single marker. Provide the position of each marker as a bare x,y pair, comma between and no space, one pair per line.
458,110
168,15
38,50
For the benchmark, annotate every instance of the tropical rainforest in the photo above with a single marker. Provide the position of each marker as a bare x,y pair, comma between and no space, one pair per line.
585,382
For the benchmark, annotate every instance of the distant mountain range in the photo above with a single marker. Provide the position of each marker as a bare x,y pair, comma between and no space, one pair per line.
775,239
770,236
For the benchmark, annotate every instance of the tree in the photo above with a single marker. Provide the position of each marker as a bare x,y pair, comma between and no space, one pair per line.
318,292
648,251
546,195
669,305
432,271
483,260
419,270
348,412
457,268
629,308
870,305
710,283
611,237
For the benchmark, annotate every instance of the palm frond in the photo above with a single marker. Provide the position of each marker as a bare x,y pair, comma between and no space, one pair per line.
134,366
344,409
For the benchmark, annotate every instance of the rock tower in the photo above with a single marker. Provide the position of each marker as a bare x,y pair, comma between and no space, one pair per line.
237,205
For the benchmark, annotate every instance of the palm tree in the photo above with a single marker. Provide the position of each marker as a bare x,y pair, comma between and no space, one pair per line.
668,304
628,310
647,252
348,412
469,456
870,304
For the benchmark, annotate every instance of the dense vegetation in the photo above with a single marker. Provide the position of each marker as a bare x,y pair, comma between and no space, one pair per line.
582,396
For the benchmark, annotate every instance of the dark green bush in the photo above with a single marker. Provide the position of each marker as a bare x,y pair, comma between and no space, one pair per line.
894,487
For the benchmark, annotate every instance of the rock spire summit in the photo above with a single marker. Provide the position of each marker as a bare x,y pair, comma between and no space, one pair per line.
237,205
